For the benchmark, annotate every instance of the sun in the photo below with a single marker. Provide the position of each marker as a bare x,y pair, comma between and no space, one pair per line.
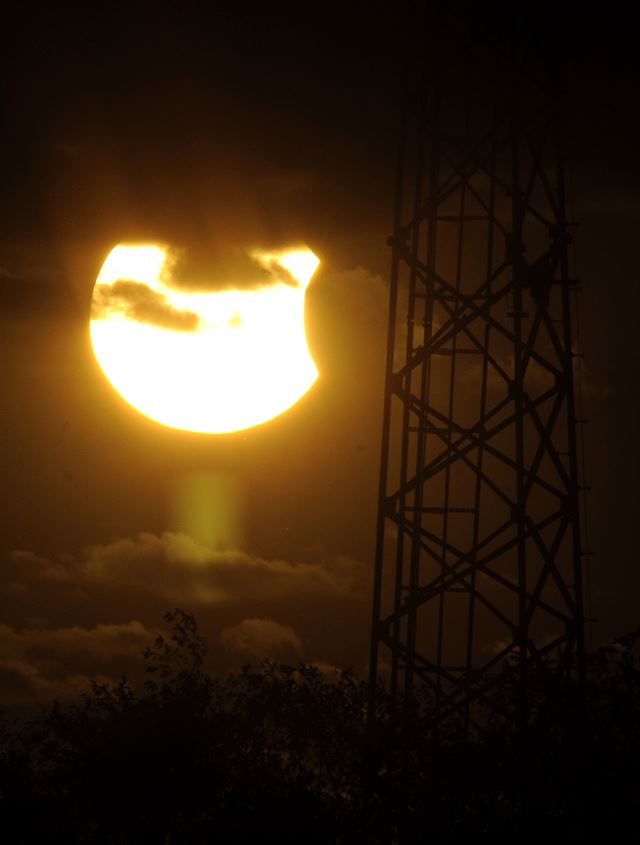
210,361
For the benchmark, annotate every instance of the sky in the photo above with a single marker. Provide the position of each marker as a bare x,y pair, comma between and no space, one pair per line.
215,128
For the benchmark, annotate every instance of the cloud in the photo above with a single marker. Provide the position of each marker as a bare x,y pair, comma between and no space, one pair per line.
211,269
328,670
207,270
261,638
45,663
30,566
178,570
51,646
139,302
100,641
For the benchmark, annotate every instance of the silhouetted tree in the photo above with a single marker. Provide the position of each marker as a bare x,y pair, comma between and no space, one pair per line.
281,754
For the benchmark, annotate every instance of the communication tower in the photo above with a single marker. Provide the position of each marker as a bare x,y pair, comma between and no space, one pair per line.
478,570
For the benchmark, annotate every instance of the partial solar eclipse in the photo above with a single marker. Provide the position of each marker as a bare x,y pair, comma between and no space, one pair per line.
210,361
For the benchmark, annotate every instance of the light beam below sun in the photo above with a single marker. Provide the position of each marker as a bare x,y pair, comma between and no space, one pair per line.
210,362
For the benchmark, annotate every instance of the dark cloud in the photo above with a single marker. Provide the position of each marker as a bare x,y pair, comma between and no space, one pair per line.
262,638
42,663
179,570
142,304
206,268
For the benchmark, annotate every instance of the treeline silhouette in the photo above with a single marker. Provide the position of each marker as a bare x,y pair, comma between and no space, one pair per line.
282,754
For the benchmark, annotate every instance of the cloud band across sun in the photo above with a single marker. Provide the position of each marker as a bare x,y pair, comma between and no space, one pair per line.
139,302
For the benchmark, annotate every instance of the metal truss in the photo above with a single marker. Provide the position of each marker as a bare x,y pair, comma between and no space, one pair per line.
478,561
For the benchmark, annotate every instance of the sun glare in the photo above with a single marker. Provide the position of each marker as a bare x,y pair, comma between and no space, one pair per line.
207,361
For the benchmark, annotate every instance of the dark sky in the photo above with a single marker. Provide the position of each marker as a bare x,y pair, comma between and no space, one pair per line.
204,125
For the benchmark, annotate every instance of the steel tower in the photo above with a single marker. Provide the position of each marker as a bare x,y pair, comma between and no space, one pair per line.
478,561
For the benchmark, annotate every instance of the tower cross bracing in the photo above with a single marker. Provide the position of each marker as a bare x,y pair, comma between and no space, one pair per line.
478,559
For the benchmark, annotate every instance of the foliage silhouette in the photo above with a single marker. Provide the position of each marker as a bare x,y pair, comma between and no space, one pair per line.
282,754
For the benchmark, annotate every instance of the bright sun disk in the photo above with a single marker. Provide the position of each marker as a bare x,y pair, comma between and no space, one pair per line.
206,361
